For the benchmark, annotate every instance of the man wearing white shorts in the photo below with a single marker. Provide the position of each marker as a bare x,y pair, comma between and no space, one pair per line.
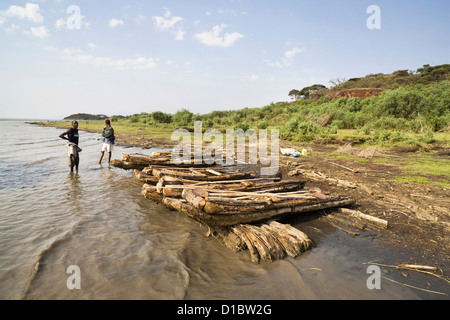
108,141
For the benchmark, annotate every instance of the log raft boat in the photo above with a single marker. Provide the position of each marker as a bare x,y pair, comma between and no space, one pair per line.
223,210
158,158
239,209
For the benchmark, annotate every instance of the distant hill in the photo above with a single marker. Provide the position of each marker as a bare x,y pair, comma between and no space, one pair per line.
86,116
376,83
425,76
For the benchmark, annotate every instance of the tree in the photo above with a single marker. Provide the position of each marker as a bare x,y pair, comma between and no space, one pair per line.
294,94
161,117
337,81
183,117
305,92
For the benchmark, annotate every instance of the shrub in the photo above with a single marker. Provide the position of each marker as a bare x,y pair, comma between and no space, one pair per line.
262,124
183,117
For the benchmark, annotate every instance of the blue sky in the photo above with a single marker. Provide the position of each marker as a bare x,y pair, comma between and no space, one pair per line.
126,57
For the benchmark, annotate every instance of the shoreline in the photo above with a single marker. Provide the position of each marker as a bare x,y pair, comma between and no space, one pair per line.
417,213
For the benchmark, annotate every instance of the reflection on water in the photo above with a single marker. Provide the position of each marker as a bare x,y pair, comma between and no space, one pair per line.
128,247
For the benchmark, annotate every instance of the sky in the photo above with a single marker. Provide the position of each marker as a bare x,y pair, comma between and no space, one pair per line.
61,57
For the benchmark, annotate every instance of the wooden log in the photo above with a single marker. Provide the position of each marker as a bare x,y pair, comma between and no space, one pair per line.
171,188
265,242
276,251
225,220
149,192
141,176
225,206
381,223
162,153
228,238
126,165
405,266
263,249
354,222
268,179
290,245
254,254
347,231
293,232
198,198
214,172
229,175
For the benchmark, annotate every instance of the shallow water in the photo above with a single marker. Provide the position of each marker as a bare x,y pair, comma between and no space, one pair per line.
128,247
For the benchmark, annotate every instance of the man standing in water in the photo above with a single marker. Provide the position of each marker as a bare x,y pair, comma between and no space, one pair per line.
108,141
72,146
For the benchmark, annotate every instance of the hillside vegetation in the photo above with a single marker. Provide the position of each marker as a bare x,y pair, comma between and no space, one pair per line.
86,116
413,110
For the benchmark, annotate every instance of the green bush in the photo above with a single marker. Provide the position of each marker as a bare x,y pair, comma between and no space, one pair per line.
183,117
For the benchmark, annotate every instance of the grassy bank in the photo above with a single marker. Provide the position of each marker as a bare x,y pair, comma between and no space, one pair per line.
126,133
411,118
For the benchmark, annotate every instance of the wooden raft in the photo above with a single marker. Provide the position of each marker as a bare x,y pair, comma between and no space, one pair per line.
239,209
224,211
158,158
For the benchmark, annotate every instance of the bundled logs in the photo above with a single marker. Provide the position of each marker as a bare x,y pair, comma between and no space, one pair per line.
235,205
224,211
158,158
267,242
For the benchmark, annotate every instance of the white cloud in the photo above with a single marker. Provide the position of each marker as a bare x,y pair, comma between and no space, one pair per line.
92,45
140,63
166,22
60,23
30,12
40,32
291,53
287,60
180,35
214,37
277,63
2,20
251,78
72,51
12,28
115,22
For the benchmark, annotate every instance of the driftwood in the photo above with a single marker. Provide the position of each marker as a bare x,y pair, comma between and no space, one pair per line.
380,223
320,176
332,219
344,167
405,266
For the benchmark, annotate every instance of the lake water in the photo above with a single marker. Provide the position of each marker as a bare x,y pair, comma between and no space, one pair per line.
128,247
